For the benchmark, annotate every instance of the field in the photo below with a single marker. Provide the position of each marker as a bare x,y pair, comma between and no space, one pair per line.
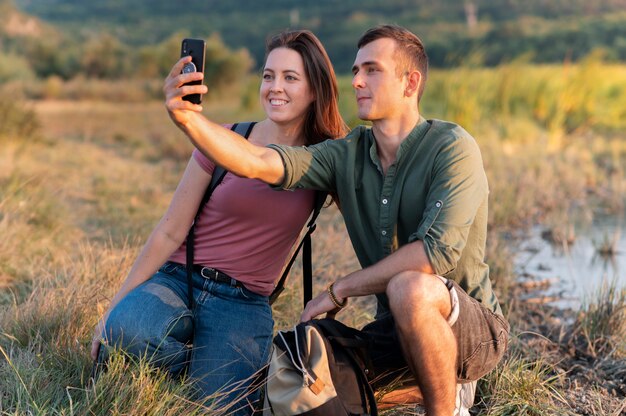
80,194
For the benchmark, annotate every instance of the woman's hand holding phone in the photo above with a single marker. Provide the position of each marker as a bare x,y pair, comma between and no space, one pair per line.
179,85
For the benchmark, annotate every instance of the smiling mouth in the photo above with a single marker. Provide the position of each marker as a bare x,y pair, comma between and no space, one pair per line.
277,102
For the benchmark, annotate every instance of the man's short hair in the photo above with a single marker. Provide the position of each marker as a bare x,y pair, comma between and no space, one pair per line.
410,53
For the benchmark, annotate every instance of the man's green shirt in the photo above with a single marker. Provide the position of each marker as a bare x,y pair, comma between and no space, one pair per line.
436,191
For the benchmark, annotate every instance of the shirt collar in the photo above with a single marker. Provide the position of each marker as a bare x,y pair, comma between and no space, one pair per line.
415,136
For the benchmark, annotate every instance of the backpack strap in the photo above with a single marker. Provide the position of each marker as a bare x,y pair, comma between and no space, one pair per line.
355,344
244,130
307,262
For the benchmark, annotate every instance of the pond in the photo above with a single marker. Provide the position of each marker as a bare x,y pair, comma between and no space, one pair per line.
575,270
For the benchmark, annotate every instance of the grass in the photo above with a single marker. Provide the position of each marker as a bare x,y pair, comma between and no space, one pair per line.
600,326
607,246
524,387
79,195
571,360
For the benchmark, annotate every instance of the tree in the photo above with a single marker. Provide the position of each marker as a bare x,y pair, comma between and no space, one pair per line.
104,56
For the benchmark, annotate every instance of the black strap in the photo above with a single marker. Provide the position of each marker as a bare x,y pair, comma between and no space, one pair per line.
307,262
365,385
244,130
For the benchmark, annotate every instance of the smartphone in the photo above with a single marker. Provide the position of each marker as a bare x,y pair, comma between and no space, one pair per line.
195,48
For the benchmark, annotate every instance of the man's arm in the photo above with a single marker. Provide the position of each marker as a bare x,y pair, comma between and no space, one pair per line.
224,147
371,280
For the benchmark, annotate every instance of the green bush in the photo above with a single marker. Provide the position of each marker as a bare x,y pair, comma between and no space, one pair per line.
17,120
13,67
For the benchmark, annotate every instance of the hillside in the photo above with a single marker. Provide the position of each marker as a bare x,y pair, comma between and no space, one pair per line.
17,24
491,32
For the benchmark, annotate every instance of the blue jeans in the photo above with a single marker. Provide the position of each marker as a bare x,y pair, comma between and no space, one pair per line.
221,348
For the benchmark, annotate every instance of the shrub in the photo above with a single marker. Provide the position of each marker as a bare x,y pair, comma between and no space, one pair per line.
17,119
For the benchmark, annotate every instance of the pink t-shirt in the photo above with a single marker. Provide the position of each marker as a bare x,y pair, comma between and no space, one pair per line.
247,229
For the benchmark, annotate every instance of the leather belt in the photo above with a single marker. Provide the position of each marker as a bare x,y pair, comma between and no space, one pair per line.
216,275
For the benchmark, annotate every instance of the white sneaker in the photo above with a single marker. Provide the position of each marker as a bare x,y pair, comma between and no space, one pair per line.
464,398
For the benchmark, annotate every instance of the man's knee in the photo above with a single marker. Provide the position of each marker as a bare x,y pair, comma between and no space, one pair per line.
416,290
414,294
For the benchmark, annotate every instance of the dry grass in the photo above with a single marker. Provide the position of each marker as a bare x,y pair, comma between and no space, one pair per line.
77,204
562,361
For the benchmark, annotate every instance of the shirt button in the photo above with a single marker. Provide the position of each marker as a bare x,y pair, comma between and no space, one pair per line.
384,232
385,201
438,204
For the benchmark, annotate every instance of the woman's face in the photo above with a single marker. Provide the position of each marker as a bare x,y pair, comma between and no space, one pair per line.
285,90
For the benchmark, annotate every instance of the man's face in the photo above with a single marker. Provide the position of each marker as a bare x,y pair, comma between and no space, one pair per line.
379,90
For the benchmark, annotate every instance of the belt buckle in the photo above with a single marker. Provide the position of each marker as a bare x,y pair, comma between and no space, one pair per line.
209,276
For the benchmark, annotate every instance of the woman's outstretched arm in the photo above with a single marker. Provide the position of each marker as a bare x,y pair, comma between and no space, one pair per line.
224,147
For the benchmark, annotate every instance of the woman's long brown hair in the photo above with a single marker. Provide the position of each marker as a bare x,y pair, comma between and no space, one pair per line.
323,119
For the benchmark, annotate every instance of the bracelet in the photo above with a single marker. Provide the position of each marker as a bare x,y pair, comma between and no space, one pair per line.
334,299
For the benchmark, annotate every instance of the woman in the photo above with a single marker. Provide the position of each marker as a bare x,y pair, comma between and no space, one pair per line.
245,232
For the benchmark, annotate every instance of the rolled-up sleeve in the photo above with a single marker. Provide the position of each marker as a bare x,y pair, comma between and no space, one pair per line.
309,167
458,189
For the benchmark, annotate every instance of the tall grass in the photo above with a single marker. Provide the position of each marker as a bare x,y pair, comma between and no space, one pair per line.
559,99
524,387
560,362
602,322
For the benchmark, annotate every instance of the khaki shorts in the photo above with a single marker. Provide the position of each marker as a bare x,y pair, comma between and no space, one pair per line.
481,336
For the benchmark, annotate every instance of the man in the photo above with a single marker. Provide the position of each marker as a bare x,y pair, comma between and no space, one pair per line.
413,194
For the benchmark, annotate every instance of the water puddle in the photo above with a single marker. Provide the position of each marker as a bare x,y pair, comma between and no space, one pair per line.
573,272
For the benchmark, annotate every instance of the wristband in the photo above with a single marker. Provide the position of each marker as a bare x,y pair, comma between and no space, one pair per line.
334,299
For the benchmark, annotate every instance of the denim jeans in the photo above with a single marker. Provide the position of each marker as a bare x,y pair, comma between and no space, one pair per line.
221,348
